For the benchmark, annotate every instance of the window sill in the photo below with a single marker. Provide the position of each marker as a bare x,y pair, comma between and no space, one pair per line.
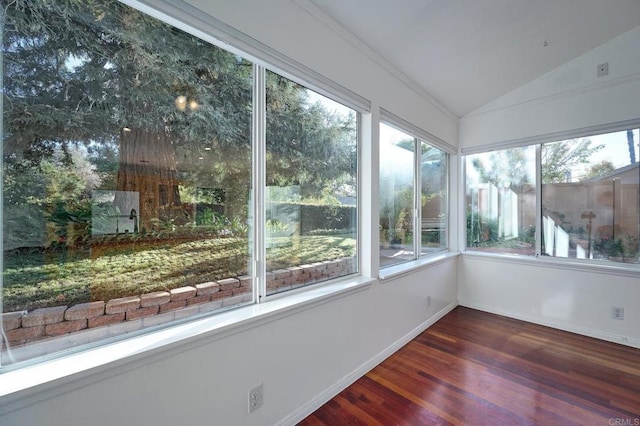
396,271
24,386
610,268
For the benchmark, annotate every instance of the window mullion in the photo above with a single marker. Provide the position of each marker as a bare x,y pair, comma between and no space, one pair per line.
259,182
539,230
417,192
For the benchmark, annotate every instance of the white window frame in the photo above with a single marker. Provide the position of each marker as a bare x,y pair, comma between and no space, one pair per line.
623,269
193,21
420,136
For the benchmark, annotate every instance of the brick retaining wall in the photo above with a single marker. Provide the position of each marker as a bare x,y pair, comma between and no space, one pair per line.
24,327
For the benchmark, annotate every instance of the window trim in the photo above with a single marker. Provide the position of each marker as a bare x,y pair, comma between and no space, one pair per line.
217,33
259,169
404,126
624,269
578,265
214,31
410,267
419,136
25,385
582,132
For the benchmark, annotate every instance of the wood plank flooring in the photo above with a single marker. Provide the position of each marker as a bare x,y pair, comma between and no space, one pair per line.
475,368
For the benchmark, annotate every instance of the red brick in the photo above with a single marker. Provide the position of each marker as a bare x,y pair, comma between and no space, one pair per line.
123,304
320,266
173,306
240,290
84,311
154,299
307,269
296,270
44,316
25,333
105,320
245,281
290,280
11,320
143,312
228,283
207,288
221,294
64,327
284,288
282,273
199,299
182,293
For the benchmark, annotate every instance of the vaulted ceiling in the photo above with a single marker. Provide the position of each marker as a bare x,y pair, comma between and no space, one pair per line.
466,53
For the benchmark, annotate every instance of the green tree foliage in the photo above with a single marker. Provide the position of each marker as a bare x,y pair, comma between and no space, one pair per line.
602,168
125,85
558,158
509,168
306,144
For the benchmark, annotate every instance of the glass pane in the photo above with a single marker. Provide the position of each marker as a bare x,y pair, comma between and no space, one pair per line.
397,188
434,198
501,201
590,197
311,193
126,173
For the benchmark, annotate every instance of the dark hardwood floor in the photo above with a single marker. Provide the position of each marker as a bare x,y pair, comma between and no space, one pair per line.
475,368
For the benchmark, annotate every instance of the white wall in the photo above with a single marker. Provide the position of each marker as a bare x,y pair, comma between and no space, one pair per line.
576,300
290,27
568,98
303,359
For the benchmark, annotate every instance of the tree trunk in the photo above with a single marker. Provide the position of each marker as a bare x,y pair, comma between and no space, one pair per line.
148,173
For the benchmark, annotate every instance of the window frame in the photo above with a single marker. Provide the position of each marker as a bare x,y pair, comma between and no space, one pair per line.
420,136
261,293
624,269
191,20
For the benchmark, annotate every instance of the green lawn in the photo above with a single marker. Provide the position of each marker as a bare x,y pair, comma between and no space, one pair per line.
34,280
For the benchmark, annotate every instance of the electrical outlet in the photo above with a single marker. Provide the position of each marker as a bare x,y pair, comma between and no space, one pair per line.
617,312
256,398
603,69
428,301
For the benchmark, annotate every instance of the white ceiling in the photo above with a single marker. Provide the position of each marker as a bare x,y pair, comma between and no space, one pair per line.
466,53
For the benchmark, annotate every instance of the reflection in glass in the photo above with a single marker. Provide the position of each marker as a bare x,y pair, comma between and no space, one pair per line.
433,199
501,201
120,133
311,197
590,194
397,150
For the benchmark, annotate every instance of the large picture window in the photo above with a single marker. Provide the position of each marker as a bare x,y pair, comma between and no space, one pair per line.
588,199
128,168
501,201
590,194
311,178
413,197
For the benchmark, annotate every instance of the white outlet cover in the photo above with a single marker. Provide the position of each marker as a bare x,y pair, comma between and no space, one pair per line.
617,312
256,397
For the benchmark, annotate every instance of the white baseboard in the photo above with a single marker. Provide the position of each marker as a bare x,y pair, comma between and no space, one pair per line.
350,378
560,325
